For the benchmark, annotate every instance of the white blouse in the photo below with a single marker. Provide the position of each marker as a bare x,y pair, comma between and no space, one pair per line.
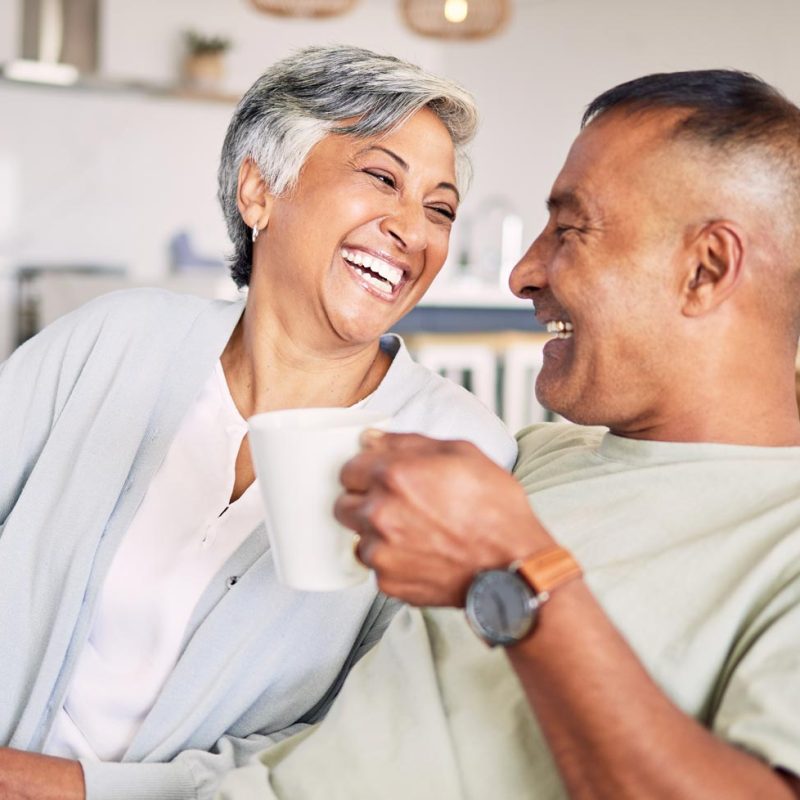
181,536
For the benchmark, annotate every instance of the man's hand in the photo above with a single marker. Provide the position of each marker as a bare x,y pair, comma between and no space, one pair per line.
31,776
431,514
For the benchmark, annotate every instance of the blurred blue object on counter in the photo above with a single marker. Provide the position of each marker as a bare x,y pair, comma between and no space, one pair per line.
184,257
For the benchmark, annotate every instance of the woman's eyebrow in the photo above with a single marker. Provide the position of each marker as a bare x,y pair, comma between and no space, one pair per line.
388,152
404,166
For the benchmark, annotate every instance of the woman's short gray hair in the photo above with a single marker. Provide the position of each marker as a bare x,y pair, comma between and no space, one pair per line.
302,98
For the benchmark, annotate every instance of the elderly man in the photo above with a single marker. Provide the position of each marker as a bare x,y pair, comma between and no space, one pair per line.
645,579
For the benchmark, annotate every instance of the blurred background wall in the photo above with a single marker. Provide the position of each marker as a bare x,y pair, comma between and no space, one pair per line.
108,176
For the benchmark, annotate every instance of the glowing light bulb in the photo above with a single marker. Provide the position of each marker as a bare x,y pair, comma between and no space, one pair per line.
456,10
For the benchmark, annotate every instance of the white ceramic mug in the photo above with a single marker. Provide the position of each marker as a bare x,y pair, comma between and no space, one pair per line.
298,454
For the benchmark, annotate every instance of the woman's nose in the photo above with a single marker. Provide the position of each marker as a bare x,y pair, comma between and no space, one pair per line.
407,225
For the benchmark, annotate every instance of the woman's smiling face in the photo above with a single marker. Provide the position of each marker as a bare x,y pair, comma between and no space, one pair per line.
355,244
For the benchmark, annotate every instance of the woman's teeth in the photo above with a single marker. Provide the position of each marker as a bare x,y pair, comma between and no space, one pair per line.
562,330
376,272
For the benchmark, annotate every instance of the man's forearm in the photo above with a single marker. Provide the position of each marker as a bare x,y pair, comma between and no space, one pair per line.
612,731
30,776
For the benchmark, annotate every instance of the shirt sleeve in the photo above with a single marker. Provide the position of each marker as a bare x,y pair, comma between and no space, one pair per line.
192,775
759,708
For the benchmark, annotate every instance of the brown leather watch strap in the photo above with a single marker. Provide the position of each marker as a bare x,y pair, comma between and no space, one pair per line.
548,569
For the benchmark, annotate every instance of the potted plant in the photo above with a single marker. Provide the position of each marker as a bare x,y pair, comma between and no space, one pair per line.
204,66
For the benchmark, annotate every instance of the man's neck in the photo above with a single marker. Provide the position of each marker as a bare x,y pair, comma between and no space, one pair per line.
765,418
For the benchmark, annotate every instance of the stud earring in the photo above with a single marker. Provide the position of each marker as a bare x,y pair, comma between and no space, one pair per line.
255,232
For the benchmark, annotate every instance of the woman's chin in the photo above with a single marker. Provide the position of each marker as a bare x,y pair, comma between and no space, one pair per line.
364,322
360,335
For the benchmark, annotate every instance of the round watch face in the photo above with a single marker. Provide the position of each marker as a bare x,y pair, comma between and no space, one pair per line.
501,607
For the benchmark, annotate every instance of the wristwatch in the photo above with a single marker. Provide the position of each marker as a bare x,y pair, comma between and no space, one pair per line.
503,604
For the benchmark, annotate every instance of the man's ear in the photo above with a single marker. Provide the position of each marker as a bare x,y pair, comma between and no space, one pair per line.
715,267
253,196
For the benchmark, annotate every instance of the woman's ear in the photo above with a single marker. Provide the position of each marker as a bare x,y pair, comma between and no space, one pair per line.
253,196
715,267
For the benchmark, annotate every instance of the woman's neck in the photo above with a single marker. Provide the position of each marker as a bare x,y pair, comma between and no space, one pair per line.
268,368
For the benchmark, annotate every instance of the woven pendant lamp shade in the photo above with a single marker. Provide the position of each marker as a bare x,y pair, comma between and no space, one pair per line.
305,8
455,19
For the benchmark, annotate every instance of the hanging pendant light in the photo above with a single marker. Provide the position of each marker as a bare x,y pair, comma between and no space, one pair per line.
455,19
304,8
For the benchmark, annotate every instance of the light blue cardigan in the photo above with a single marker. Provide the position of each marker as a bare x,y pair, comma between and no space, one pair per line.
87,410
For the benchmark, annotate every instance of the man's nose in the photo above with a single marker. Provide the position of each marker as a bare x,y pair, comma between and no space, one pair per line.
407,225
530,273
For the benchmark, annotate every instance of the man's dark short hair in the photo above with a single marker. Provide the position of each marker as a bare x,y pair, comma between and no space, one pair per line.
724,107
727,112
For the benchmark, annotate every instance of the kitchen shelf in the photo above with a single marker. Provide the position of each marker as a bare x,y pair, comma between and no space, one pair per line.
90,84
466,319
466,307
465,294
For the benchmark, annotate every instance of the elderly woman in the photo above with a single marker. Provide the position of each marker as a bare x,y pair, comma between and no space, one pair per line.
141,618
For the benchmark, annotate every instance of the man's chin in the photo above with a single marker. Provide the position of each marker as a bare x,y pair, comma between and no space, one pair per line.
553,398
568,411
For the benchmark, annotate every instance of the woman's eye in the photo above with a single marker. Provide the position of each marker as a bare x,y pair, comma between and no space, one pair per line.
388,180
445,212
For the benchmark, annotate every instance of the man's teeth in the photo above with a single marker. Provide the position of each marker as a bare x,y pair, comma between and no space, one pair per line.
370,267
562,329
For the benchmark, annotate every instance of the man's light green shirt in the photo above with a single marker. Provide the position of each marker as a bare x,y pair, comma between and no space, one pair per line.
694,552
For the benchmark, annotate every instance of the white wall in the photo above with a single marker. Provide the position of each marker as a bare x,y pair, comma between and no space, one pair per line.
107,178
143,39
104,179
533,82
10,33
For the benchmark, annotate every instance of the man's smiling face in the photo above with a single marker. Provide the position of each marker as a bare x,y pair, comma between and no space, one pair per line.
604,273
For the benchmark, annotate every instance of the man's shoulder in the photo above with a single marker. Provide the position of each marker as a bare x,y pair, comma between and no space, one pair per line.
539,445
549,437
